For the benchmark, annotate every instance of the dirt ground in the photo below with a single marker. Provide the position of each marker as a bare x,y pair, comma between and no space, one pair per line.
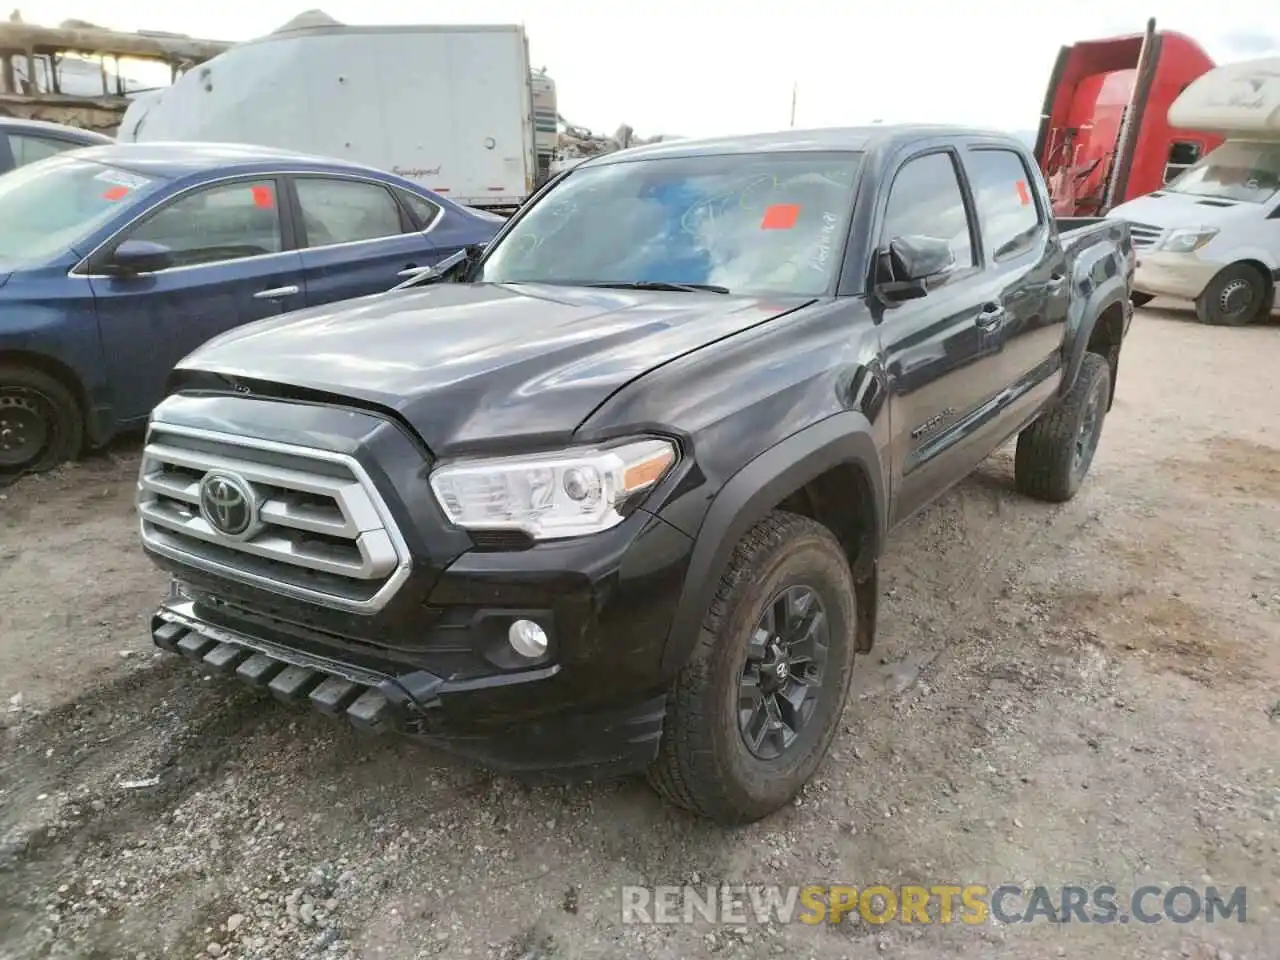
1086,694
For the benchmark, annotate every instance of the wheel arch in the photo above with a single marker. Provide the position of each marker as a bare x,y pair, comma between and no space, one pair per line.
830,472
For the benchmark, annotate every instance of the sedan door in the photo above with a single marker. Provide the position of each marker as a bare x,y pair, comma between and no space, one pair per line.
233,263
355,237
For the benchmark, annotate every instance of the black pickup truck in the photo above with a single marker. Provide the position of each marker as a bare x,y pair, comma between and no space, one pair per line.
608,496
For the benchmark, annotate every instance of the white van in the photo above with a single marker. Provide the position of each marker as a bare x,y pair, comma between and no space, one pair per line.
1213,234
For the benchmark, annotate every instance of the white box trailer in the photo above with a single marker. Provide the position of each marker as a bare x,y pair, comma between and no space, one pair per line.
449,107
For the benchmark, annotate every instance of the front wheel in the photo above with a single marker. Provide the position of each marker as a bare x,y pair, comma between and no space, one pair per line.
752,714
40,422
1238,295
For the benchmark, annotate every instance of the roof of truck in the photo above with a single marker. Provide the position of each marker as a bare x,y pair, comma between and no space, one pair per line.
874,136
173,160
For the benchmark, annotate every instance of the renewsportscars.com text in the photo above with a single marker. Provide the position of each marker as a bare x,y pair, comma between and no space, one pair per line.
937,904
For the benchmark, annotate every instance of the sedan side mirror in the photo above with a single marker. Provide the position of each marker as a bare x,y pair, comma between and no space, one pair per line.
910,262
137,257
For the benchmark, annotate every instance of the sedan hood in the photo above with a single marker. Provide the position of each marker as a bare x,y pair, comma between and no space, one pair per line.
466,365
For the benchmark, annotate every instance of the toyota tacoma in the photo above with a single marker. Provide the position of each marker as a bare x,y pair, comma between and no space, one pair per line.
608,495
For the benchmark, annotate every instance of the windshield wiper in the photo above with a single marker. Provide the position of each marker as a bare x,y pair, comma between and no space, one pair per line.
659,285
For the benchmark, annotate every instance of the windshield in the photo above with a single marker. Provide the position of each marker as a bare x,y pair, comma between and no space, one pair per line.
49,206
764,223
1237,170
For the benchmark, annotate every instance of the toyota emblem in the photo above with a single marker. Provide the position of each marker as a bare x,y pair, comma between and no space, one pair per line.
228,504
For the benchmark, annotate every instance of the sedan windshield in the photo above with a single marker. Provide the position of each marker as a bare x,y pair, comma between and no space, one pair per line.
51,206
1237,170
771,223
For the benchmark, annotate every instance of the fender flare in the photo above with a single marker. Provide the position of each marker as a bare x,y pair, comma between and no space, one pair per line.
1111,292
749,495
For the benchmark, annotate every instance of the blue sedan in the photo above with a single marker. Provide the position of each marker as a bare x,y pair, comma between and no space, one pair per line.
116,261
26,141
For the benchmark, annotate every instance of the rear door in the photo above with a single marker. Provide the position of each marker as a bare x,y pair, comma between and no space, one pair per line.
1028,270
233,264
356,237
940,351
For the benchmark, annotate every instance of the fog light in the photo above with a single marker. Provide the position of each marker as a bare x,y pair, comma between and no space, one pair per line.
527,639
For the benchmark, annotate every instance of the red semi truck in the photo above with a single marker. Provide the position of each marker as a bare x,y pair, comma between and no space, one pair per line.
1104,136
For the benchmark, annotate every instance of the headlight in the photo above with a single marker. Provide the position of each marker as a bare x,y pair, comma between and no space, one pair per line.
1188,239
567,493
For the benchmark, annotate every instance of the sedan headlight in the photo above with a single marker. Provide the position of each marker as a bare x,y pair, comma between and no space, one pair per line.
567,493
1188,239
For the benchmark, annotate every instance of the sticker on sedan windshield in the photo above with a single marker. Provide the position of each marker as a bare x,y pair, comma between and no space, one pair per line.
119,178
1024,196
263,196
780,216
116,193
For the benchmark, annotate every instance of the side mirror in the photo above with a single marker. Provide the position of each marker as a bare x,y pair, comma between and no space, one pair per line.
136,257
910,262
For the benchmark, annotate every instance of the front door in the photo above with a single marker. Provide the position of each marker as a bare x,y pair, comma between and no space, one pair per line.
232,265
356,239
940,351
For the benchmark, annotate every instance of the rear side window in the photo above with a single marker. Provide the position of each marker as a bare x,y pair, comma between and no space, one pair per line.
423,210
28,149
345,211
926,201
1002,193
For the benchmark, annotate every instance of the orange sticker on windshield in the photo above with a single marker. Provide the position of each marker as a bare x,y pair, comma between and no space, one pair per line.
1024,196
116,193
780,216
263,197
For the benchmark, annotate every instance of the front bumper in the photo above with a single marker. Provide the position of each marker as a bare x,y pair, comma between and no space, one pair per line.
591,743
1180,275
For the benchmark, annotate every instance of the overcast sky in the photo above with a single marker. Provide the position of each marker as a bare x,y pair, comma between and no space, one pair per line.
705,67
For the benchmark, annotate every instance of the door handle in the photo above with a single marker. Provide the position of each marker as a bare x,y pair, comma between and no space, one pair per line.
276,293
991,315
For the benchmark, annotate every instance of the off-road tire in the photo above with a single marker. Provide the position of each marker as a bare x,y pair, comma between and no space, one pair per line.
34,390
1141,299
1244,281
1045,464
704,764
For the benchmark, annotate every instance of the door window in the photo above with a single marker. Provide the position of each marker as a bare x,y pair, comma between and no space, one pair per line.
227,222
28,149
926,200
346,211
1007,210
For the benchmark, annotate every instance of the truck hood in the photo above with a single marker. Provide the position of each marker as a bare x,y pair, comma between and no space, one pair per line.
466,365
1169,210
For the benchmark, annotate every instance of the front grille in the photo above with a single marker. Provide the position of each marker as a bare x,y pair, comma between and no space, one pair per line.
1144,235
316,527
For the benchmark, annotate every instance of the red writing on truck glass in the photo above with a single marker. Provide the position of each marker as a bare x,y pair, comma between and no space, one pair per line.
263,197
780,216
1024,195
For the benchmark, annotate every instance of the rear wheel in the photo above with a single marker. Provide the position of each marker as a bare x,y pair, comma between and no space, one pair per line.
752,714
40,422
1141,299
1238,295
1054,453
